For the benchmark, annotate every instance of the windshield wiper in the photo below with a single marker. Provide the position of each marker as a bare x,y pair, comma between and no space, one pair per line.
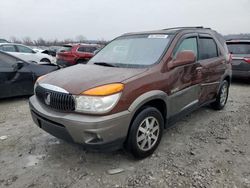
105,64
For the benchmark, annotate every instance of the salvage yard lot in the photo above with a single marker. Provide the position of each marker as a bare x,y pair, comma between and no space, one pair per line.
206,149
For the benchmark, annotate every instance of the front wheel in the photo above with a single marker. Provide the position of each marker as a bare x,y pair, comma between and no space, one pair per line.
222,96
145,132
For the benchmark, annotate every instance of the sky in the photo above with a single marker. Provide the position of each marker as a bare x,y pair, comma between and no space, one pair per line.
106,19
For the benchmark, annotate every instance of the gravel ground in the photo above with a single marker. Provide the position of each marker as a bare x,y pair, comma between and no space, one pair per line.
206,149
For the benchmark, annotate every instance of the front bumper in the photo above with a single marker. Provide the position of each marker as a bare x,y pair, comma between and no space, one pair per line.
94,132
241,74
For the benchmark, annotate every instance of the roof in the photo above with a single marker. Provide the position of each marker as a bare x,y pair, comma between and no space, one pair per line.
81,44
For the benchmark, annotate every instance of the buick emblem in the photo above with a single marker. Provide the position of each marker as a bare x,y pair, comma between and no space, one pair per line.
47,98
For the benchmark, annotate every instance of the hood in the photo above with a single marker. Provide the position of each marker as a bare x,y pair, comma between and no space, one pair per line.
79,78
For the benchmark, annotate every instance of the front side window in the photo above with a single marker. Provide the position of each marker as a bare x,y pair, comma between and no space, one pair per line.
8,48
207,48
187,44
24,49
133,51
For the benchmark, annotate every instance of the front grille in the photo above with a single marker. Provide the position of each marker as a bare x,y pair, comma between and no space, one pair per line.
55,100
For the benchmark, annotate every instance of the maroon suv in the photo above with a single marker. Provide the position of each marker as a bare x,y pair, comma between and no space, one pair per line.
137,85
73,54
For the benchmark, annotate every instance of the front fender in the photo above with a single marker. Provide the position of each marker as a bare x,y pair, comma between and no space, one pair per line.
146,97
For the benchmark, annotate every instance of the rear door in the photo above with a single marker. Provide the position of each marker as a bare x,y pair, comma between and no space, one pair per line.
213,66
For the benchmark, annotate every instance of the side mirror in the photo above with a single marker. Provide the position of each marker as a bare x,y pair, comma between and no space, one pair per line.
183,58
18,65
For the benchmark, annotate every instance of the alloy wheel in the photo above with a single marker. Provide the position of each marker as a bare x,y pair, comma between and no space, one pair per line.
148,133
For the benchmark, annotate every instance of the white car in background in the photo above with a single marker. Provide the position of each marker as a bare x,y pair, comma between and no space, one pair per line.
26,53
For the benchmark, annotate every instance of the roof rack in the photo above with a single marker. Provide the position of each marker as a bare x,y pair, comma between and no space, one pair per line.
235,39
191,27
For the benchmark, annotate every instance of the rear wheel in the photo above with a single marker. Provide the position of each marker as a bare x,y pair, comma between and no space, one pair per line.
222,97
145,132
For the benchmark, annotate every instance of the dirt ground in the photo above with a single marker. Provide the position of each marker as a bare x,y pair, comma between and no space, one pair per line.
206,149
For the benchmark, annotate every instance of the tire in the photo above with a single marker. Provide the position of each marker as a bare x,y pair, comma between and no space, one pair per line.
81,61
45,60
222,96
142,130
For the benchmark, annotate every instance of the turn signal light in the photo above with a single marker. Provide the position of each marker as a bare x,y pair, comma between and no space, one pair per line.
104,90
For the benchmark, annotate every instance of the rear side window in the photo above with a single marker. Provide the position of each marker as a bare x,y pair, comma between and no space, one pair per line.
7,61
239,48
24,49
187,44
207,48
86,49
8,48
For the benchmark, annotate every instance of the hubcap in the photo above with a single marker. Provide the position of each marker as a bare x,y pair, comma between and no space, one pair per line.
223,95
148,133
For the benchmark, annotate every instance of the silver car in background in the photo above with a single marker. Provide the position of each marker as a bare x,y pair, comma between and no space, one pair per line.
240,50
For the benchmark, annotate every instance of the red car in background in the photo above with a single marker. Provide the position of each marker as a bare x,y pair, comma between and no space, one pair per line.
76,53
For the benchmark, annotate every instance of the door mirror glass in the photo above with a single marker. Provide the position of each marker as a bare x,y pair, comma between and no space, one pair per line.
183,58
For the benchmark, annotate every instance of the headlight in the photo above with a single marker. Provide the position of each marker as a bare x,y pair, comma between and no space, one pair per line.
96,104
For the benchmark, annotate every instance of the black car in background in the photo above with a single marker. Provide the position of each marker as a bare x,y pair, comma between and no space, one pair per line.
240,50
17,77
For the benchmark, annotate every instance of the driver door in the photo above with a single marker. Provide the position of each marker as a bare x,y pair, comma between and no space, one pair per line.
185,80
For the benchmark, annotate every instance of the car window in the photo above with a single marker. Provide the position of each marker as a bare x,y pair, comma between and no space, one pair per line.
24,49
187,44
6,60
8,48
65,49
86,49
207,48
239,48
134,50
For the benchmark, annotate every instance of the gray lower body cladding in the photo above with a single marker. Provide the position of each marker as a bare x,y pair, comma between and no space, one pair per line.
93,132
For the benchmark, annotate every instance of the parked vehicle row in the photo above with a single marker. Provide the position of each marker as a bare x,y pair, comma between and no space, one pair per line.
26,53
72,54
132,89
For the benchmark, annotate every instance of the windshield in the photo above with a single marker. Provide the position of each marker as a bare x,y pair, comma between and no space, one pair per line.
133,51
239,48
